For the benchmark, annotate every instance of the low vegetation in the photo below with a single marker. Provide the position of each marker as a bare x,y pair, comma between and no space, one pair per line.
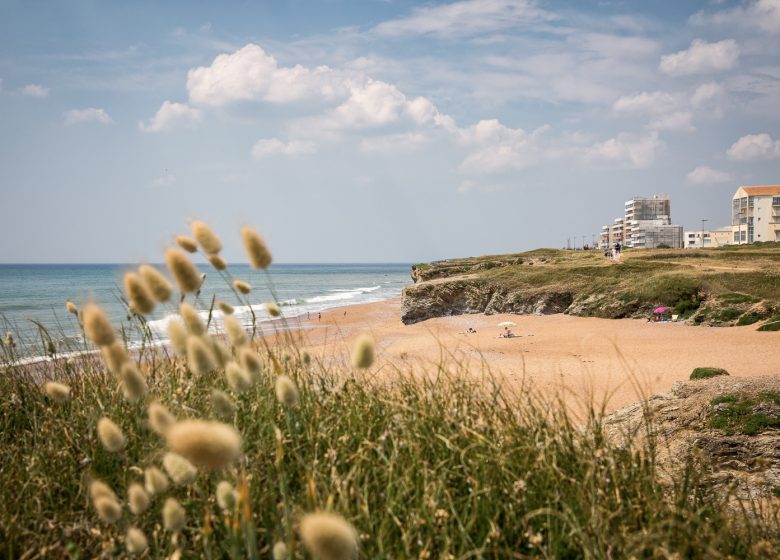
740,414
230,446
707,372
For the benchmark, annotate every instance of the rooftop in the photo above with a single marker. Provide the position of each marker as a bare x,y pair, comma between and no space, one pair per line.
762,190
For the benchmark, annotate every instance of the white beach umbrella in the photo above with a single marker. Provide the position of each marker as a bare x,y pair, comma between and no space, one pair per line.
506,324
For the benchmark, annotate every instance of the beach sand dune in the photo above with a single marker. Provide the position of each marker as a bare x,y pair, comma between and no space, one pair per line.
581,359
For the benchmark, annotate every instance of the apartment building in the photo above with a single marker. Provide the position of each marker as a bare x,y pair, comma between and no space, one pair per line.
646,223
755,214
700,239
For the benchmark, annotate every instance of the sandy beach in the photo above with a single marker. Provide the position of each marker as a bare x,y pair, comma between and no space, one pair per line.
614,361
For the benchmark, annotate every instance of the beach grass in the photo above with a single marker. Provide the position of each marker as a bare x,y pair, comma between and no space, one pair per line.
441,462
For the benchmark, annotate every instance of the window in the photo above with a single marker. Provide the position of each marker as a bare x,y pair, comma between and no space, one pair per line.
776,201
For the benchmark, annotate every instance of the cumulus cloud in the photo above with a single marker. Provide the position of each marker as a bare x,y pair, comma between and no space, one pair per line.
495,147
370,103
170,115
701,58
34,90
466,17
681,121
251,74
753,147
757,14
645,102
90,114
267,147
706,93
704,174
625,150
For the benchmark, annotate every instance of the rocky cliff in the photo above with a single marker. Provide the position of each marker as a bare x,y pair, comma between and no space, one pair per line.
697,286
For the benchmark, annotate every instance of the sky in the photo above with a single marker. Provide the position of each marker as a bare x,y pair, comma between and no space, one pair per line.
374,130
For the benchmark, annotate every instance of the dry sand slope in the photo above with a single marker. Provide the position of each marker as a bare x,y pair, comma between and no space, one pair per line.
576,357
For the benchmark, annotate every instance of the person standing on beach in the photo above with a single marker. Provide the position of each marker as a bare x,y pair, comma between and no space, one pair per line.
319,316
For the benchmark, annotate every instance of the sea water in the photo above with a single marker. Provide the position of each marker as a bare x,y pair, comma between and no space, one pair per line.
32,297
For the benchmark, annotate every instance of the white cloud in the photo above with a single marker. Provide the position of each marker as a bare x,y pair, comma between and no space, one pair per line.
645,102
706,93
267,147
424,112
495,147
679,121
90,114
169,115
402,142
701,57
704,174
164,180
466,17
753,147
34,90
369,104
761,14
625,150
250,74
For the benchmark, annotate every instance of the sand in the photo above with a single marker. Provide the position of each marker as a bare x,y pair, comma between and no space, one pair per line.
606,361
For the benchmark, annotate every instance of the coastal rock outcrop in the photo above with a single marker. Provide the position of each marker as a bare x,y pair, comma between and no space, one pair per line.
730,425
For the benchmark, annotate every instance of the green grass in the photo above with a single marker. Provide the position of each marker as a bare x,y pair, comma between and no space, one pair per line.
728,314
773,324
707,372
741,415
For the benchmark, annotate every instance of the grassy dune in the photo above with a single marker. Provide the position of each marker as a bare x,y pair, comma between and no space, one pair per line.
433,465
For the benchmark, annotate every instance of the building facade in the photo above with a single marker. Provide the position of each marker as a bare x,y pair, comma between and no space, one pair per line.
700,239
646,224
755,214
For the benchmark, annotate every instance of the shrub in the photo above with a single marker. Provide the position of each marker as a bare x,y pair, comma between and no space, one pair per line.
728,314
742,414
707,372
772,325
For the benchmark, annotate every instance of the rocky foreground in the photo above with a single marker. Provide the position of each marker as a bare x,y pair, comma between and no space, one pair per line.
732,423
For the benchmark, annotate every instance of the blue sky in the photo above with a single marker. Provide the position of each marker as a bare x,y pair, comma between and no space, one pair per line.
374,130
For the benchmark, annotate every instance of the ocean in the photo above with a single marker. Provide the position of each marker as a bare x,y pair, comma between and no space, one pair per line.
32,297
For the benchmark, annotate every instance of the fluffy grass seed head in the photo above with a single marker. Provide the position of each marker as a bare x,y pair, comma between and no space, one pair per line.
57,392
208,444
241,286
99,489
225,307
286,391
110,435
173,515
217,262
251,362
273,309
157,283
133,383
155,481
184,272
226,496
97,326
192,319
206,237
108,509
328,536
179,469
178,336
200,358
137,499
222,404
71,307
256,249
187,243
160,419
363,352
138,293
237,377
135,541
114,356
280,551
221,352
235,331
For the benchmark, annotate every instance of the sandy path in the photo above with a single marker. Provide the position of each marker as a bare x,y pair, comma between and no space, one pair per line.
571,356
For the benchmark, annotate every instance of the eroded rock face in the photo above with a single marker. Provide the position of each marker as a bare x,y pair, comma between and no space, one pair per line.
682,422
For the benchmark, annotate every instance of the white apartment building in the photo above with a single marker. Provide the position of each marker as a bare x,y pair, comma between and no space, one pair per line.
699,239
755,214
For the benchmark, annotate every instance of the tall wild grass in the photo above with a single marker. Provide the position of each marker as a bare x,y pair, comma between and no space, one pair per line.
233,446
